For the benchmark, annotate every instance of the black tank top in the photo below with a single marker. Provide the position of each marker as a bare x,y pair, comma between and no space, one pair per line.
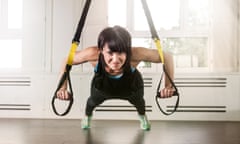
129,83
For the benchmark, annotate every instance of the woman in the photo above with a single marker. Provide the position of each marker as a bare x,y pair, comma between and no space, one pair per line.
116,77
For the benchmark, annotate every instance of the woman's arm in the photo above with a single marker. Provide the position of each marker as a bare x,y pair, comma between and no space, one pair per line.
151,55
145,54
89,54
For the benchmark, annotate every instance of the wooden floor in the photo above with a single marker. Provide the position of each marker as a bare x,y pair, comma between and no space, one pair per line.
33,131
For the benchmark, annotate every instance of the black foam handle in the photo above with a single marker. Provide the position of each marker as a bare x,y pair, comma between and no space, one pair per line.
175,93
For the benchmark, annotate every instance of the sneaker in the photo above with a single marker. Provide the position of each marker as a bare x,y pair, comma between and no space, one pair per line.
144,123
86,122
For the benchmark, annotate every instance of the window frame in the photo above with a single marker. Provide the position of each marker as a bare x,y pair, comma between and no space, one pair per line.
182,32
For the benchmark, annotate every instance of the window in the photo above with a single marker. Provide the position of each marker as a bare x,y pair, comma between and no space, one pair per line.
183,27
165,15
10,34
120,6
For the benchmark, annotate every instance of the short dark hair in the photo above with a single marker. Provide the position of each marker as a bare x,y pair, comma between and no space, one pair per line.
118,40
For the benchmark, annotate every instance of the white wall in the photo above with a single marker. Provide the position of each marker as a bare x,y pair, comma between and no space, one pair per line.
33,36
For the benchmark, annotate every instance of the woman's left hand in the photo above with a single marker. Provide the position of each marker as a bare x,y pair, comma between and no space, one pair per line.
167,92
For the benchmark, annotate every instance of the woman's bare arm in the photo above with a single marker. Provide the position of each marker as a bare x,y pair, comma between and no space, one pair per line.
151,55
89,54
145,54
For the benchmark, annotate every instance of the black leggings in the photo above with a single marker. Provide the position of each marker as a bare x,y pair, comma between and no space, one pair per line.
97,98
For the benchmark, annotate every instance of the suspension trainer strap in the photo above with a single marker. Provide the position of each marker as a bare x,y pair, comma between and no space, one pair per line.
66,76
156,40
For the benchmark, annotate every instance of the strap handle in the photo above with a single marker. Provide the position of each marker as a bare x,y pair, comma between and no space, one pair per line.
156,40
158,95
66,75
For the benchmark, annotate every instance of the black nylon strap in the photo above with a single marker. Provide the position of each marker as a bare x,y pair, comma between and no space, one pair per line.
81,22
66,75
156,37
149,20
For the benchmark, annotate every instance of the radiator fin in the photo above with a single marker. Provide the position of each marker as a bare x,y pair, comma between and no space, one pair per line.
201,82
15,107
120,108
147,82
203,109
15,81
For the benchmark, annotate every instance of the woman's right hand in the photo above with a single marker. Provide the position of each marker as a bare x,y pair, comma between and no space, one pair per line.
63,94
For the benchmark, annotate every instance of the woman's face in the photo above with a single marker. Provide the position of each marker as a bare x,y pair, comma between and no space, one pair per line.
113,60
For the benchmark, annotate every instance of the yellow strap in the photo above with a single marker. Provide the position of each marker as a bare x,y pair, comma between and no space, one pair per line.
72,53
160,51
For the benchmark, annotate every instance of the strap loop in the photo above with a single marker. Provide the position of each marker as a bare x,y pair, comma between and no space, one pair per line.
156,40
66,75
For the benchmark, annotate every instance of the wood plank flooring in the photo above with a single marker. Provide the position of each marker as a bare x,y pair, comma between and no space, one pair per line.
39,131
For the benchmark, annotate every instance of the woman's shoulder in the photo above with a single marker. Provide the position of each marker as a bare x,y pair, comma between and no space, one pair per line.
90,54
145,54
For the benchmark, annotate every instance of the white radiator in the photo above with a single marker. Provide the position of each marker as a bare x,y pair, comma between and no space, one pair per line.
14,96
206,97
202,88
202,97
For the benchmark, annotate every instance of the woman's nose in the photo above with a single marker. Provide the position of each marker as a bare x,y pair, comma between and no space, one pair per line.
115,57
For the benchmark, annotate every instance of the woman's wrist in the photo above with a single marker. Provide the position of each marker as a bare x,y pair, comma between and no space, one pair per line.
168,86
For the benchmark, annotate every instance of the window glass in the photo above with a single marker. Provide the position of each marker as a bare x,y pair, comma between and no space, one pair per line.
188,52
117,10
165,14
198,14
10,41
15,14
0,10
